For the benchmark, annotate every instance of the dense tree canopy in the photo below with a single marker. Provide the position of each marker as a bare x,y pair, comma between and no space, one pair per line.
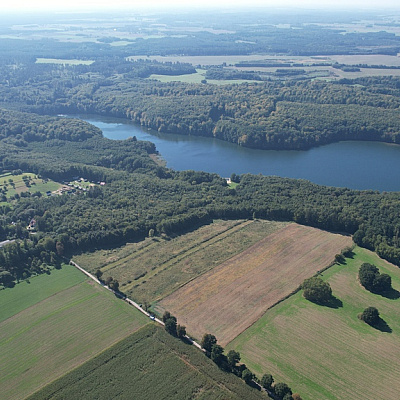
373,280
317,290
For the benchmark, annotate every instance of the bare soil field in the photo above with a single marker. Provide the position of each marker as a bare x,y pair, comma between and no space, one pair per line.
328,353
152,269
232,296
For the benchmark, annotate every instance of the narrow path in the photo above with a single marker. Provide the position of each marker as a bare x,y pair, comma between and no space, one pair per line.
129,301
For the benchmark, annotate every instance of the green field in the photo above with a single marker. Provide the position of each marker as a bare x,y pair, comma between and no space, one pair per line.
196,78
17,186
150,364
25,295
328,353
59,322
156,267
62,61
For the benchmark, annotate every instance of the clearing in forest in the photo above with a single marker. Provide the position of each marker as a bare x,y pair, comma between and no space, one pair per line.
232,296
61,321
328,353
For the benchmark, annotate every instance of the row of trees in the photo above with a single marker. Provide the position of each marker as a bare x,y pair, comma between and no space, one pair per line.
231,362
172,327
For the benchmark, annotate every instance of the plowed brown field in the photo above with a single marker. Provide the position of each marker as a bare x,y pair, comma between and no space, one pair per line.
232,296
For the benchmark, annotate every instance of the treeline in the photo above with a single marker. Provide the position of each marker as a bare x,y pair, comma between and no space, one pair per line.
21,259
266,115
61,148
25,127
133,204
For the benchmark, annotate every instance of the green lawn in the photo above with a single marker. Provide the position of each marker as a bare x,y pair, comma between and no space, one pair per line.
328,353
59,329
149,365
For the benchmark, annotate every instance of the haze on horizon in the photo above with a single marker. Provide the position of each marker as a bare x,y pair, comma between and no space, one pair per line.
98,5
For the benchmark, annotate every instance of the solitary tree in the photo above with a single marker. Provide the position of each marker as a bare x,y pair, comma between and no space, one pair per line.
296,396
108,280
317,290
370,315
287,396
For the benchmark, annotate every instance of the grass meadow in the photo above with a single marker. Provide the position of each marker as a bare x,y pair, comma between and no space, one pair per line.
197,78
17,186
30,292
63,61
328,353
55,324
149,364
152,269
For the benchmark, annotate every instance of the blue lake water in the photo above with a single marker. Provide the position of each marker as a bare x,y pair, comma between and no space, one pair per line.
357,165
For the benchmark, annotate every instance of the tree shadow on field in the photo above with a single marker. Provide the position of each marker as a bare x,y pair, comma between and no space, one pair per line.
382,326
333,302
391,294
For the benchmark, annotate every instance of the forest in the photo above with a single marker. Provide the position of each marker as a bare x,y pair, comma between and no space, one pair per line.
140,196
291,114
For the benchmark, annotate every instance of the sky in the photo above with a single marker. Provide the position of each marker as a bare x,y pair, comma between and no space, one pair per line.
94,5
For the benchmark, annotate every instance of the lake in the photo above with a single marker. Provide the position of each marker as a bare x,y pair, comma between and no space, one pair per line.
356,165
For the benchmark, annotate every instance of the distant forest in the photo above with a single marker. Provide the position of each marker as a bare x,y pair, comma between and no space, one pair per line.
266,115
140,196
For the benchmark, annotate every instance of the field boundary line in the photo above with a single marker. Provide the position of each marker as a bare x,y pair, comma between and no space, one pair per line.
205,272
129,301
292,293
120,261
190,250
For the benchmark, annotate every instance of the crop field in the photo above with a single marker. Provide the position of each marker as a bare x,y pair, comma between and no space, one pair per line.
54,331
232,296
62,61
152,269
14,184
149,364
328,353
37,288
196,78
